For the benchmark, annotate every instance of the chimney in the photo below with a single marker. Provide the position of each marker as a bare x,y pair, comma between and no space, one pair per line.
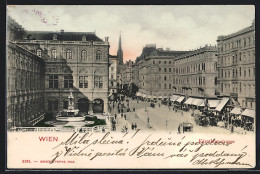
106,39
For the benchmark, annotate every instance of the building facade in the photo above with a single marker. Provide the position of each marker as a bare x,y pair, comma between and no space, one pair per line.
113,65
236,66
43,67
196,73
154,71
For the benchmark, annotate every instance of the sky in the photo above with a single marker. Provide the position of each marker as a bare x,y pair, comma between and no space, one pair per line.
178,27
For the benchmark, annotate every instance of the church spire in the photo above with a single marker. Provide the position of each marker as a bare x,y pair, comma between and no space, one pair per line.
120,51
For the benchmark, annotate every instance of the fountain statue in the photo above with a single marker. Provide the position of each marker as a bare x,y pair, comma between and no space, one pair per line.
70,114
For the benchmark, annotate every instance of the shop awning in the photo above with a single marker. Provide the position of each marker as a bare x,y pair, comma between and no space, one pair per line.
144,95
148,96
154,96
180,99
174,97
197,102
222,104
236,111
249,113
160,96
189,101
213,103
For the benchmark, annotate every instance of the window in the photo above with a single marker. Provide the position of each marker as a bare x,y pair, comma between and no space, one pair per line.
53,81
83,81
164,62
68,82
53,54
240,71
165,69
249,72
170,62
244,73
216,80
39,52
98,82
159,62
83,54
165,78
165,86
69,54
159,85
170,86
153,62
98,55
170,70
159,69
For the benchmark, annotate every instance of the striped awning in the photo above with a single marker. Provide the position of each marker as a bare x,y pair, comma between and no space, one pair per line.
236,111
222,104
249,113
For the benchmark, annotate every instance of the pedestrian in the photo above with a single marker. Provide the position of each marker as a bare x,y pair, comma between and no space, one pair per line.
179,129
132,126
125,116
133,109
122,110
159,104
115,116
148,120
135,126
182,112
122,115
232,129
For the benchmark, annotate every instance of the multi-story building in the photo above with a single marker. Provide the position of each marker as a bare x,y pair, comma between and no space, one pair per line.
43,67
113,65
236,66
196,73
154,71
127,72
25,81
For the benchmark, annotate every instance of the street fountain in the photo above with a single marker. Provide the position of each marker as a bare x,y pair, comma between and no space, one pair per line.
71,114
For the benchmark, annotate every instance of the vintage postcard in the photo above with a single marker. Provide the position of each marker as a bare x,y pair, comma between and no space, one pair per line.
130,87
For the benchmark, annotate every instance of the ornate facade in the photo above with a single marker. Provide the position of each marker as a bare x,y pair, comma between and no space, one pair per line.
44,66
236,66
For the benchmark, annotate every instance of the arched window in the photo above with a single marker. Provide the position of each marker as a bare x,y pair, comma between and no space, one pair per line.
39,52
83,54
69,54
54,54
98,55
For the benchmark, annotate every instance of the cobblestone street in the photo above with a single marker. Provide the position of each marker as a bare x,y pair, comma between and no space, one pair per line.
161,118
